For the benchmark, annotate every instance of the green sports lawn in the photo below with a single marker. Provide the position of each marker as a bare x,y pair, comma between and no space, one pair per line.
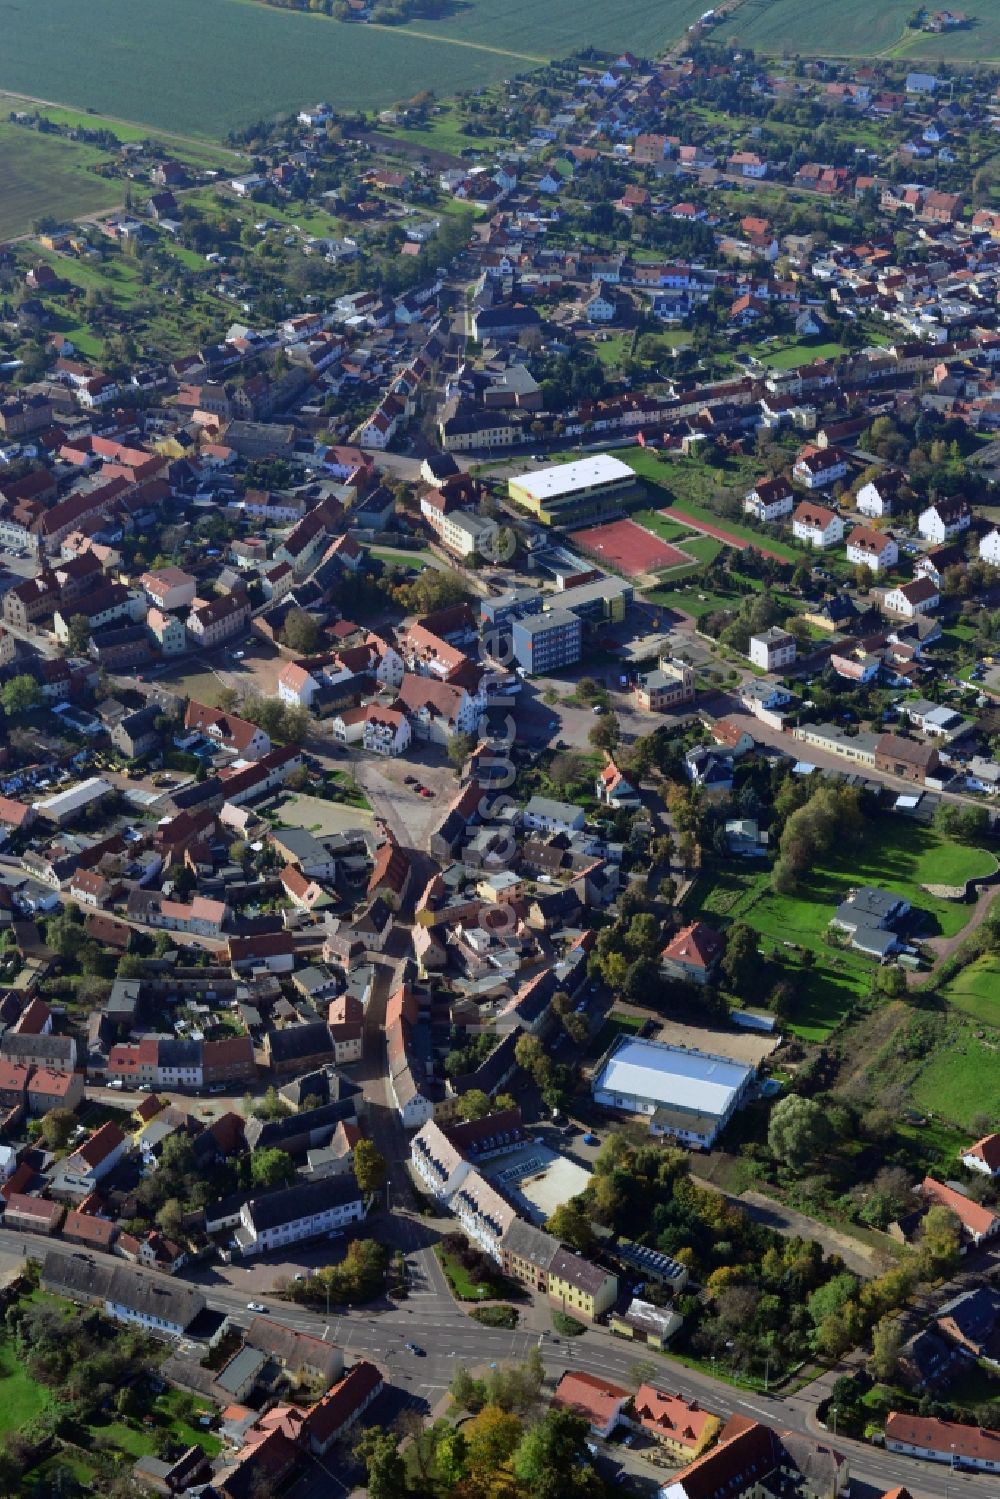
666,530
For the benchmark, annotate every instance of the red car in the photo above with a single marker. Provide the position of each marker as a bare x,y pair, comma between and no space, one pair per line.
422,791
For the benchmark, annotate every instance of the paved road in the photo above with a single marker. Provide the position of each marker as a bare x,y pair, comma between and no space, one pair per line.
435,1323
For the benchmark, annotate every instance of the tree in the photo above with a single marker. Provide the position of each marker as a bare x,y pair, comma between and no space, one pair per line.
379,1451
797,1130
460,747
301,633
551,1458
77,635
491,1439
886,1339
56,1128
170,1218
606,733
21,694
740,960
369,1167
271,1168
571,1223
475,1104
568,769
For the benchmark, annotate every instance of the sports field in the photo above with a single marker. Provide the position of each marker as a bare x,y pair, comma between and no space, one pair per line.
629,548
43,176
205,66
856,28
738,537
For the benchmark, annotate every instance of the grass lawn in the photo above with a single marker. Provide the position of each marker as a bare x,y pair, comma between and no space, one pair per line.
802,353
441,132
613,348
961,1079
21,1399
465,1289
976,990
616,1024
416,560
47,176
666,530
203,686
897,854
704,549
976,1385
692,597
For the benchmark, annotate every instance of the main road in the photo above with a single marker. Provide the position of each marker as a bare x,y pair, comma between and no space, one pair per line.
432,1320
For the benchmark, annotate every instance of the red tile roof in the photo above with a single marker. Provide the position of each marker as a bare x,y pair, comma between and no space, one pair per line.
588,1395
974,1218
986,1150
697,946
340,1404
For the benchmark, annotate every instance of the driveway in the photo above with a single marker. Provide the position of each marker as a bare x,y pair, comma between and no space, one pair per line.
856,1256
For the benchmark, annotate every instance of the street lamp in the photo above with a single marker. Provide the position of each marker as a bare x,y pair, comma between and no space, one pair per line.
833,1413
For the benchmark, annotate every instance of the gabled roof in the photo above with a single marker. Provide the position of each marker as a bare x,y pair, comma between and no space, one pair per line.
986,1150
588,1395
973,1216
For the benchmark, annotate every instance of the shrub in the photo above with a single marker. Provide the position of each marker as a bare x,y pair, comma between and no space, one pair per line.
499,1315
568,1326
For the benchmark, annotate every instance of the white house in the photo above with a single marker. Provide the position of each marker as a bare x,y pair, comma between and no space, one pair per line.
878,497
817,526
549,816
386,731
770,500
80,1173
307,1210
944,520
772,649
989,547
910,599
984,1156
819,468
875,550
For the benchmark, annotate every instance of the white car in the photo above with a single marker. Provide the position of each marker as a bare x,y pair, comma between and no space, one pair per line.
255,1306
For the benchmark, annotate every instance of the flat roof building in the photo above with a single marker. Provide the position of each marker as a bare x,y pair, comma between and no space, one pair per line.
545,642
574,491
690,1095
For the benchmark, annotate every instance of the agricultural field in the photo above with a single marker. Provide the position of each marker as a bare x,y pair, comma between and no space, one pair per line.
856,29
44,176
217,64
